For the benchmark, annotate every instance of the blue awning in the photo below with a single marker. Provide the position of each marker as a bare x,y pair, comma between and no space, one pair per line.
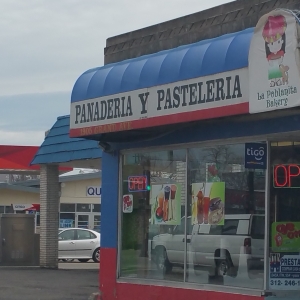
221,54
59,148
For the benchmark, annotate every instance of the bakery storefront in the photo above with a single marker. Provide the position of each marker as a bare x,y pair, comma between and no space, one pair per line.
201,166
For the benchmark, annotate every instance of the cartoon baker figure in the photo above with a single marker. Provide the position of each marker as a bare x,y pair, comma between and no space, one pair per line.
275,42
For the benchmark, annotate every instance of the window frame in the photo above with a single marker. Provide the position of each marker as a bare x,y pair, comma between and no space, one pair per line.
187,146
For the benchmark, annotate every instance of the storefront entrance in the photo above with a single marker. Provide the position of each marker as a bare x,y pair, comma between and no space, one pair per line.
90,220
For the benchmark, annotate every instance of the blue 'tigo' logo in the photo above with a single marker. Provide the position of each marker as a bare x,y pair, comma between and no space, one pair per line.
255,155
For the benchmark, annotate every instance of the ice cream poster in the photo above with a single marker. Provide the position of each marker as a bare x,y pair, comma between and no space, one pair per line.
208,203
166,204
285,237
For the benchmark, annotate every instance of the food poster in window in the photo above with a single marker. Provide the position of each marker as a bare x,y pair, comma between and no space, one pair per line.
284,271
285,237
166,204
208,203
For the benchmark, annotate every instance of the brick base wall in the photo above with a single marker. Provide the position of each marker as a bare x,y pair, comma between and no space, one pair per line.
49,217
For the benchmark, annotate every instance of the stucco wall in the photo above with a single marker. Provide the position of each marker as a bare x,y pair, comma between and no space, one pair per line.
75,191
8,197
71,192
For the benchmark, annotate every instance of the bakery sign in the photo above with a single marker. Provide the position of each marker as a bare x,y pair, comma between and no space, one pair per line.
274,77
201,98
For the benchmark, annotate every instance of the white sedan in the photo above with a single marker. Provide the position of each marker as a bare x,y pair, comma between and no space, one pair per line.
78,243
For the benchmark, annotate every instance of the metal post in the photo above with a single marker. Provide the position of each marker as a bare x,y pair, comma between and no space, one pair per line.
267,219
185,213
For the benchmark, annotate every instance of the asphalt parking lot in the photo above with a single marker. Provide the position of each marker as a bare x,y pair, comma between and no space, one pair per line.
72,281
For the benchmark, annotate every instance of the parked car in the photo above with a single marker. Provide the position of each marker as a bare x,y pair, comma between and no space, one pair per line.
216,248
78,243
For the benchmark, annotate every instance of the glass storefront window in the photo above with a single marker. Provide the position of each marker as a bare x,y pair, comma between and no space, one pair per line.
66,220
227,206
1,209
83,221
199,221
67,207
9,209
83,207
96,208
97,223
153,208
284,251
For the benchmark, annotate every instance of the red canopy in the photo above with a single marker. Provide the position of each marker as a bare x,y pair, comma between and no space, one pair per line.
17,159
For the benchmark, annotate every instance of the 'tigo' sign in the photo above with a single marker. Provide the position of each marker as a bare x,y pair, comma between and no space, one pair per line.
255,155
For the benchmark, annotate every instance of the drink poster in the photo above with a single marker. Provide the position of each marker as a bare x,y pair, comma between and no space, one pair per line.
208,203
285,237
284,272
166,204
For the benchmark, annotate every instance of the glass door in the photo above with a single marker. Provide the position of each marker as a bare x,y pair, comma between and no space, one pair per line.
83,221
96,222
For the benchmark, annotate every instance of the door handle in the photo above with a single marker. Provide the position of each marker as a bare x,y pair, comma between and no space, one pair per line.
187,240
72,243
92,242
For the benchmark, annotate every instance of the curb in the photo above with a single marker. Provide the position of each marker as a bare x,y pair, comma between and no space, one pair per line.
94,296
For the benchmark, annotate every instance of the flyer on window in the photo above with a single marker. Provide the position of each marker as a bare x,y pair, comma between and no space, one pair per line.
208,203
166,204
284,272
285,236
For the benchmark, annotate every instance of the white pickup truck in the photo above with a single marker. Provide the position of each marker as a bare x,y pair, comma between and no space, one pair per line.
215,248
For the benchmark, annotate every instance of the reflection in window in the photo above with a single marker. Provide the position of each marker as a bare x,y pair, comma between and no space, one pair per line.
83,207
284,217
226,201
150,216
96,208
67,207
9,209
66,220
217,209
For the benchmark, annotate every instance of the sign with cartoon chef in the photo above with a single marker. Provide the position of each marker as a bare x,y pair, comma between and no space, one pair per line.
274,63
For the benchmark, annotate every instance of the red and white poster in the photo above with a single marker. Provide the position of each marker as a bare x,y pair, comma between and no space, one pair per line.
274,63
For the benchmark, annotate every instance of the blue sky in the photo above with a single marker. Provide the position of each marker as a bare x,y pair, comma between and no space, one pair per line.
46,45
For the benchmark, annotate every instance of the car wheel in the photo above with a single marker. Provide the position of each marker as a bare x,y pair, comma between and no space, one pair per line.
162,261
96,255
83,260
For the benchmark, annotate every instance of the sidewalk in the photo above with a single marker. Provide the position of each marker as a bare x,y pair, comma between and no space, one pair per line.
43,284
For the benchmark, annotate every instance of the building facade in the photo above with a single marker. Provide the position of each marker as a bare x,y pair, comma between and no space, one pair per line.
201,158
79,200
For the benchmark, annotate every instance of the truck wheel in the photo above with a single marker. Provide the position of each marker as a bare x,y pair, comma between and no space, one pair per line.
223,266
162,260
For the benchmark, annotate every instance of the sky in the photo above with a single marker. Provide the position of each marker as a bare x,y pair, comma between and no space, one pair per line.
47,44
